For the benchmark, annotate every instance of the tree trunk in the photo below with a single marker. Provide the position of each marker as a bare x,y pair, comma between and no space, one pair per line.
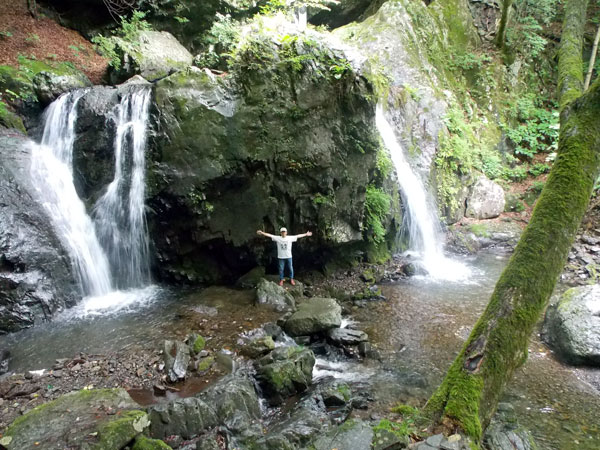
469,394
588,77
32,8
506,4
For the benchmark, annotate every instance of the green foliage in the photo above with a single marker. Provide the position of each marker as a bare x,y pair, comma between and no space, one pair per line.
384,163
219,42
126,37
320,199
399,429
377,206
536,129
5,34
538,169
525,33
516,174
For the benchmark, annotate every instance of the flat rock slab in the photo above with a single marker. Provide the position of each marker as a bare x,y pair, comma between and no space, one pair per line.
346,336
355,435
98,419
313,316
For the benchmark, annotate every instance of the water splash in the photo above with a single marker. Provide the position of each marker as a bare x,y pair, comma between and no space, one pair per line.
119,213
420,216
51,172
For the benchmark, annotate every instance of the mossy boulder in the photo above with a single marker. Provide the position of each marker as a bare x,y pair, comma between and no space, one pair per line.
352,435
284,372
313,316
572,325
153,55
102,419
34,80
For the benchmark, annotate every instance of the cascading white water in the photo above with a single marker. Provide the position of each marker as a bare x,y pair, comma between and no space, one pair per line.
51,171
119,213
421,218
123,262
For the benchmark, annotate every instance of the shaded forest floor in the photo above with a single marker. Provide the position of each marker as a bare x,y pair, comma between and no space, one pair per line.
44,39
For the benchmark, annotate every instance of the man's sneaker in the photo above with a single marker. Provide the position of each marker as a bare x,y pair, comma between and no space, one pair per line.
292,282
280,282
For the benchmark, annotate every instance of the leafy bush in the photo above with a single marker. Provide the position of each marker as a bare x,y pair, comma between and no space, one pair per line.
536,129
517,173
538,169
125,37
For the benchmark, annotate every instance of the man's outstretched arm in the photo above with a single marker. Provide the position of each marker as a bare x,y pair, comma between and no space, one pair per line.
262,233
308,233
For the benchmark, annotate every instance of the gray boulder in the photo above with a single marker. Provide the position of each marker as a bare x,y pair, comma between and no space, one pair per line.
155,55
346,336
572,325
313,316
306,421
50,85
274,296
36,280
351,435
505,433
486,199
177,358
100,419
284,372
230,402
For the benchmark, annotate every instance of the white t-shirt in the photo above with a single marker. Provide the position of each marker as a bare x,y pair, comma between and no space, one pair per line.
284,245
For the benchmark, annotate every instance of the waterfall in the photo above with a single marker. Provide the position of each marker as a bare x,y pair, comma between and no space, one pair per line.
52,174
111,253
420,217
119,213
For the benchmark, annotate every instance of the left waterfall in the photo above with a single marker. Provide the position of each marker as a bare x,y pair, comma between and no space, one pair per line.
52,174
109,247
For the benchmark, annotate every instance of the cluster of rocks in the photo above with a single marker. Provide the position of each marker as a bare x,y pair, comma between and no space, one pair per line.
583,263
21,392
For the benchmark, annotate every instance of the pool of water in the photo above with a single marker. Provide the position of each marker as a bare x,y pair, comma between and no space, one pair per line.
139,319
423,325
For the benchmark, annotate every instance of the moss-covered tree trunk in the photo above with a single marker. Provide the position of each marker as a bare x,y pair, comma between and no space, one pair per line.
506,4
469,394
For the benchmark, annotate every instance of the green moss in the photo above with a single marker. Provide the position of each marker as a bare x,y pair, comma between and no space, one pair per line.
117,433
205,363
9,119
145,443
199,344
479,229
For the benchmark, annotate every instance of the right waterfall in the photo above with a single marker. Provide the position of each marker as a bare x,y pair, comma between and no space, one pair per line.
420,218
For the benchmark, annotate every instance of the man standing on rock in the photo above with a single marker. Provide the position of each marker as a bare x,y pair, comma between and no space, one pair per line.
284,251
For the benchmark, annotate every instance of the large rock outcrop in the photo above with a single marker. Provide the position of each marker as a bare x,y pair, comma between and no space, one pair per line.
35,273
272,143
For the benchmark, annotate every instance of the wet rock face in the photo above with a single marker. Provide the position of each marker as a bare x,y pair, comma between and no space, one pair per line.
233,154
273,296
231,402
35,273
572,325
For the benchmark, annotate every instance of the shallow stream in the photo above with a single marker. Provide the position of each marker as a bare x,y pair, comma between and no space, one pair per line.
417,332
